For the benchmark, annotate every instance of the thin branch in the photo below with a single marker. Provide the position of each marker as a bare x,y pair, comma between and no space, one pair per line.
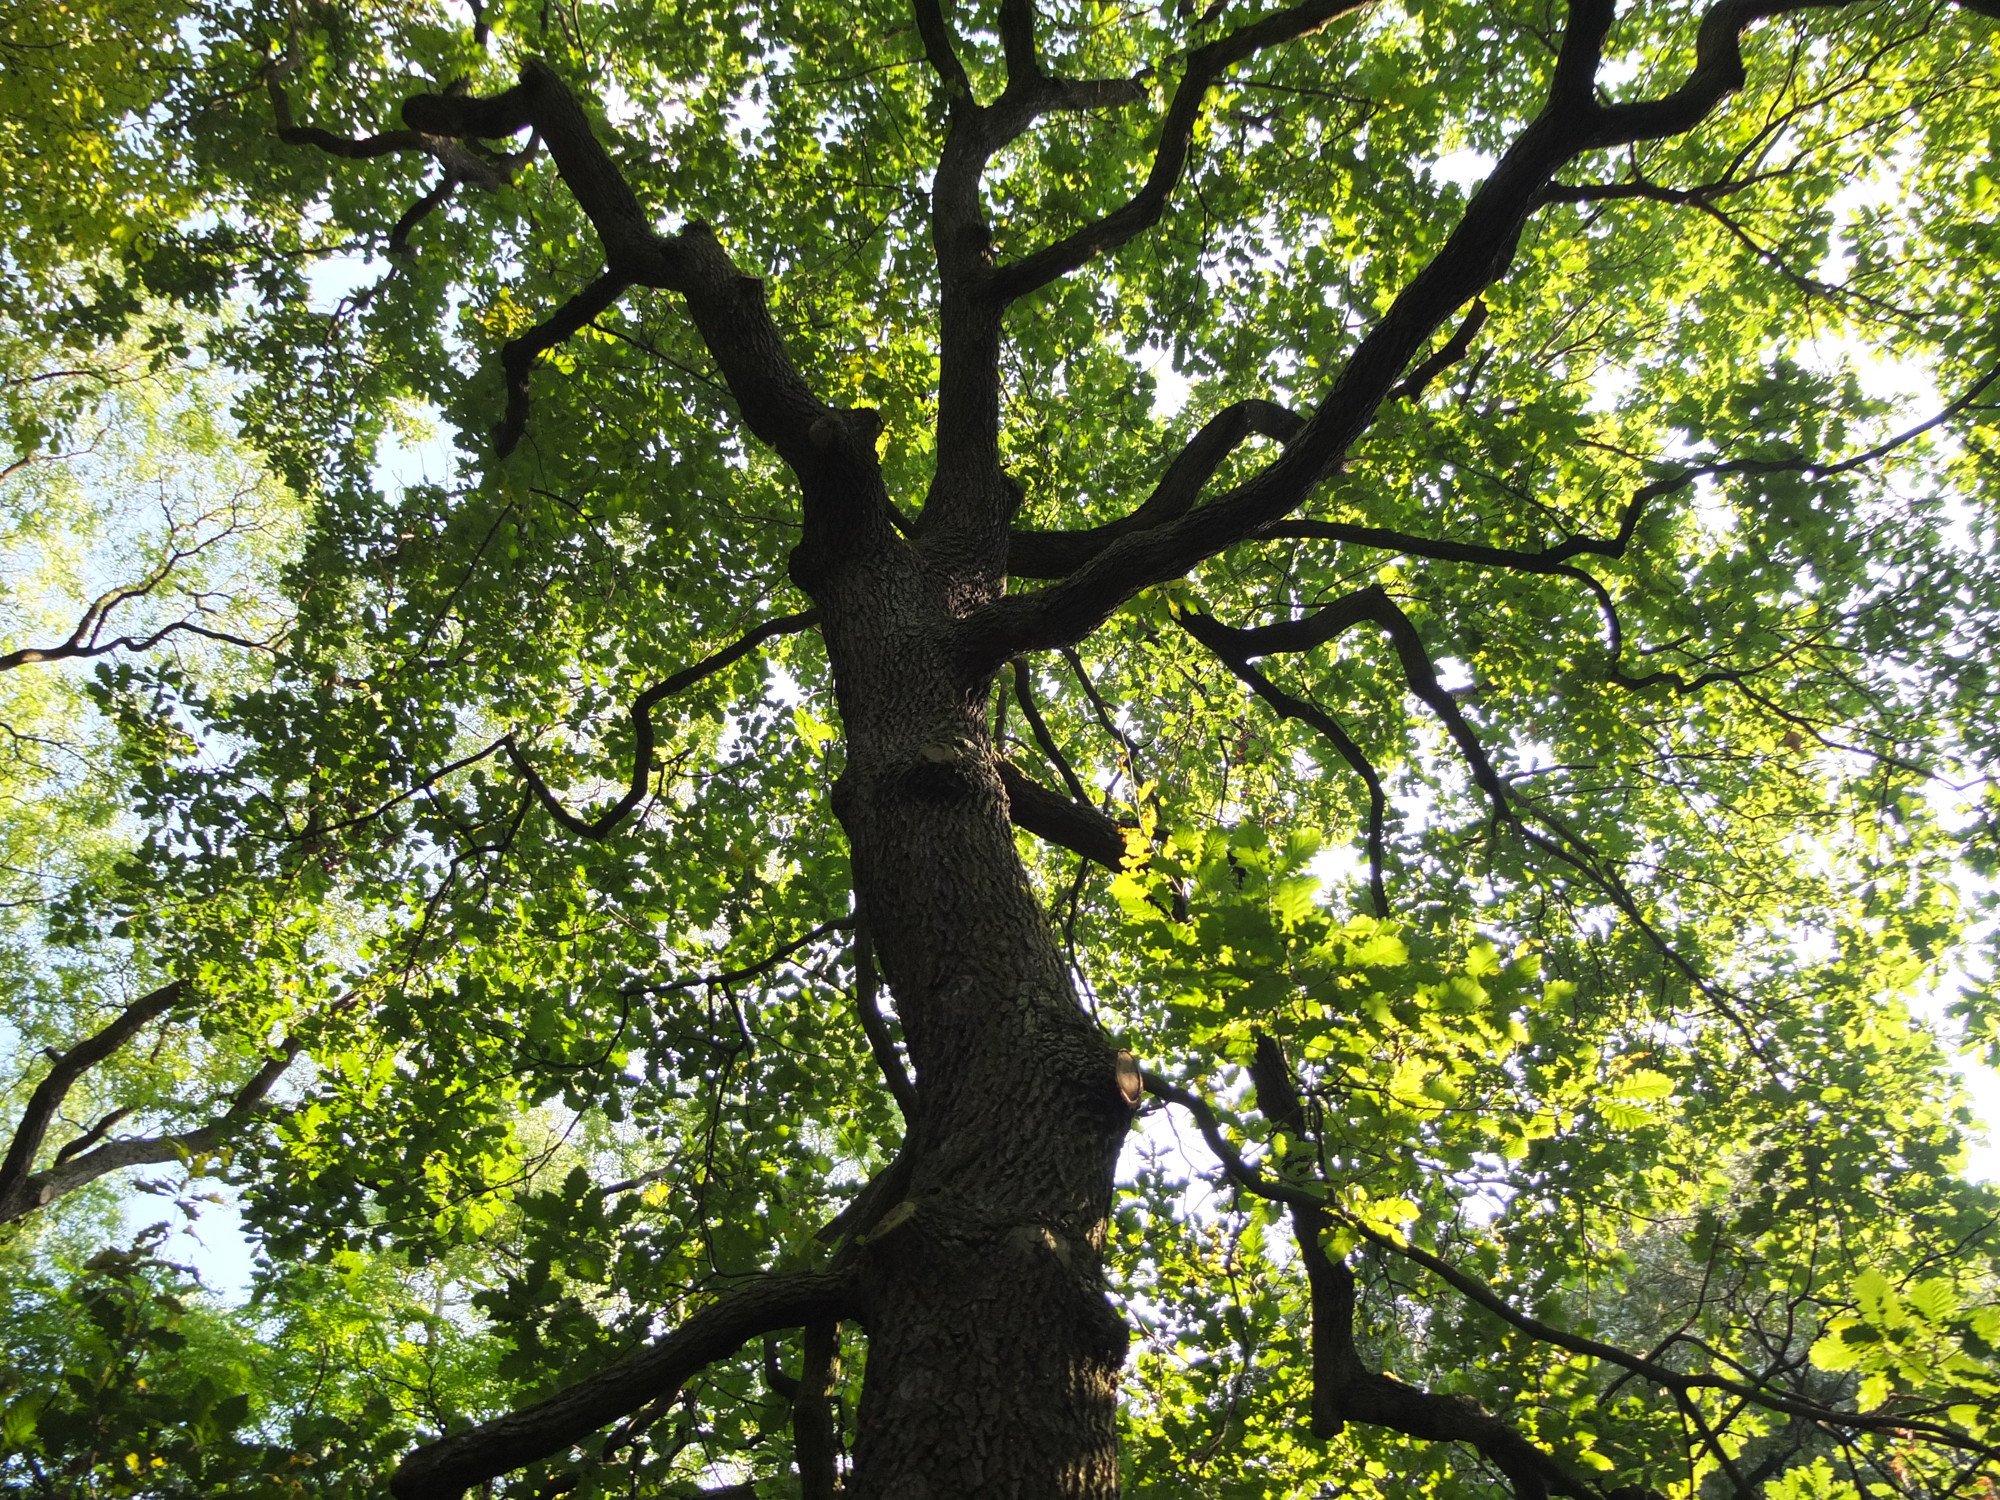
642,729
1287,706
447,1468
875,1026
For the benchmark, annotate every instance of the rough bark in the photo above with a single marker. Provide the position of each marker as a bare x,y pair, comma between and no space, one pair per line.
993,1354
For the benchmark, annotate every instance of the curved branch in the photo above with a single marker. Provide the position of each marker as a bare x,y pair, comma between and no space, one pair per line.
1344,1389
81,1162
1372,606
518,355
1251,1180
447,1468
1717,73
1143,209
642,729
1286,706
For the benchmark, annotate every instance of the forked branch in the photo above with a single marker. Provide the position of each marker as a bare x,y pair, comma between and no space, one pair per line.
1054,554
1478,251
1312,1201
95,1152
1143,209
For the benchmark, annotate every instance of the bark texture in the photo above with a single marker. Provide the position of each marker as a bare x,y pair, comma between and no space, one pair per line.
993,1353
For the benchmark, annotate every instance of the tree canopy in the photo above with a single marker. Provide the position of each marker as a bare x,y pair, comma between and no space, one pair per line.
1039,748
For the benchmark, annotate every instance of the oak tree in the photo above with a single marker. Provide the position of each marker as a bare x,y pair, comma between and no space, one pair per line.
1050,748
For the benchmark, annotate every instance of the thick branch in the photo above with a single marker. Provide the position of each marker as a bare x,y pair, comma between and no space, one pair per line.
1476,253
446,1469
642,729
1053,554
1717,73
1056,819
47,1099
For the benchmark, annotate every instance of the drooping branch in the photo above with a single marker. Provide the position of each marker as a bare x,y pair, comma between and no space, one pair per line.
1250,1179
1450,352
1344,1388
875,1026
1289,706
642,729
1054,554
447,1468
1372,606
814,1437
518,355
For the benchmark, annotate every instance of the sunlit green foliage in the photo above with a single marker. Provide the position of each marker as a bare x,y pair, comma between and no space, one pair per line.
1646,1049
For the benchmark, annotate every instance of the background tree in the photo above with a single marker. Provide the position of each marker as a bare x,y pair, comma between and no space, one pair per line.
1412,581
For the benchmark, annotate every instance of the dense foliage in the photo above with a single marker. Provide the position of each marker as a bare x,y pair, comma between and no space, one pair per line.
1494,689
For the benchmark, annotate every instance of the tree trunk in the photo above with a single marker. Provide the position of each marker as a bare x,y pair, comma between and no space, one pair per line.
993,1354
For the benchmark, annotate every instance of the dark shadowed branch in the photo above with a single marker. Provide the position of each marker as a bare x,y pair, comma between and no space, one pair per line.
1344,1388
1205,67
1289,706
642,729
1053,554
1768,1396
1056,819
447,1468
1478,251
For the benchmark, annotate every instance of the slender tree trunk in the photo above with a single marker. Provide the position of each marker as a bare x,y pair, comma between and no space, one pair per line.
993,1355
